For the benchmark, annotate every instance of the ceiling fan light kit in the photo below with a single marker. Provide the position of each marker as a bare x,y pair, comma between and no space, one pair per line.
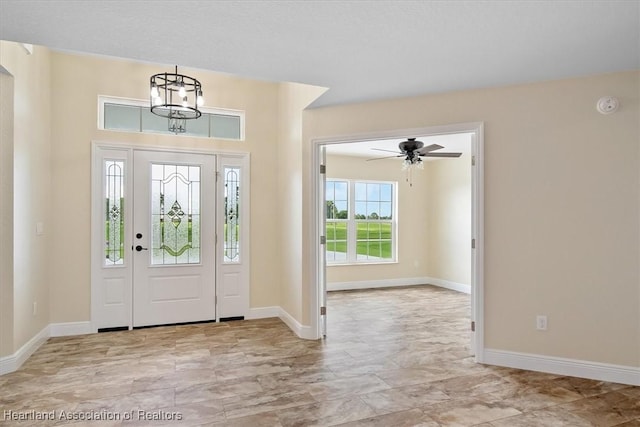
416,162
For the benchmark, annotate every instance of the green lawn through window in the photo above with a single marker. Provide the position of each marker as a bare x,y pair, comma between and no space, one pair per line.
373,238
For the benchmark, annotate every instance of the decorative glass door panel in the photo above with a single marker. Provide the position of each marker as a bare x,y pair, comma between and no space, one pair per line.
175,214
231,214
114,212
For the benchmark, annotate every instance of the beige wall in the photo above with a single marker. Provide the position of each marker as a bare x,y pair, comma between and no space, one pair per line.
448,225
6,213
31,187
562,216
292,99
77,82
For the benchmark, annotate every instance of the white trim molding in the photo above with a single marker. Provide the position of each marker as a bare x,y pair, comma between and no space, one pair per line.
299,329
448,284
13,362
302,331
389,283
570,367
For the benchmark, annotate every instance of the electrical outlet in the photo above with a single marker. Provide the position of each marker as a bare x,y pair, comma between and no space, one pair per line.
541,323
35,308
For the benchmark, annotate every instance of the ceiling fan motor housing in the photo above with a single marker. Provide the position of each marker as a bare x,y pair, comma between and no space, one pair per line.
409,146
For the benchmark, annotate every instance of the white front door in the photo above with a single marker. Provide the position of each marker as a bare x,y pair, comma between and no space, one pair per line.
173,238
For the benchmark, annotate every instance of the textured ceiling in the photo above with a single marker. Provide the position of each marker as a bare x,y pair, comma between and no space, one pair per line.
360,50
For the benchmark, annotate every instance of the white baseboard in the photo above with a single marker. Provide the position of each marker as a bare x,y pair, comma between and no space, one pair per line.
70,328
263,312
448,284
276,311
389,283
370,284
300,330
561,366
13,362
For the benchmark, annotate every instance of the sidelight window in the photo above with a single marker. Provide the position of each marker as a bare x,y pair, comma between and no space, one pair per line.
114,212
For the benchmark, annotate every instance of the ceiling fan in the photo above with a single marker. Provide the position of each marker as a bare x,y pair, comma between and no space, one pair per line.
412,150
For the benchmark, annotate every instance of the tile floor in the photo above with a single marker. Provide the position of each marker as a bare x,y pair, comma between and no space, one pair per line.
393,357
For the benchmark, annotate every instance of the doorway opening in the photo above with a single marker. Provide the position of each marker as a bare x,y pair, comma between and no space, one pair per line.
415,233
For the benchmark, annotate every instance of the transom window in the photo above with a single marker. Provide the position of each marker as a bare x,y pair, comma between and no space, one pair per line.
361,223
133,115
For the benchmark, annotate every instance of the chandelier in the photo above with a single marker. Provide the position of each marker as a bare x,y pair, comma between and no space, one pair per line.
176,97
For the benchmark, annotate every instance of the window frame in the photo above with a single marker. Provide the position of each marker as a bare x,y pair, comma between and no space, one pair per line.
352,223
132,102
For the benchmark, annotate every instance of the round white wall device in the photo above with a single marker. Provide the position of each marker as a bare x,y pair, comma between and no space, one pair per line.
607,104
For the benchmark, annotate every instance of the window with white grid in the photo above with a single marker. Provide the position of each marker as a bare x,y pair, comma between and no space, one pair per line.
360,221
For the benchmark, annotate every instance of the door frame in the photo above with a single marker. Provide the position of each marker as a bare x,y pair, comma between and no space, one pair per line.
241,158
317,272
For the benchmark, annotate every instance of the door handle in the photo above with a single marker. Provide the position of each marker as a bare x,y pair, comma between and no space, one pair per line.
140,248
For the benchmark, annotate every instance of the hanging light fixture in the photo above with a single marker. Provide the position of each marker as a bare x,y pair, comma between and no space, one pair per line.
176,97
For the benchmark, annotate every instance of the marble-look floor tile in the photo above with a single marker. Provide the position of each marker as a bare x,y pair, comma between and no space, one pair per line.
408,418
252,404
192,414
468,412
174,380
410,376
267,419
252,369
609,409
530,398
470,385
295,379
551,417
217,390
342,387
393,357
632,423
325,413
403,398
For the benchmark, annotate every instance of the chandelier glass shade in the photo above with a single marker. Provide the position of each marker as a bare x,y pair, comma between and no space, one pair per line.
178,123
176,97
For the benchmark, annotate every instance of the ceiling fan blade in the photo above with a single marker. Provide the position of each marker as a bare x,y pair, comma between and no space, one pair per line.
388,151
441,155
382,158
429,148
